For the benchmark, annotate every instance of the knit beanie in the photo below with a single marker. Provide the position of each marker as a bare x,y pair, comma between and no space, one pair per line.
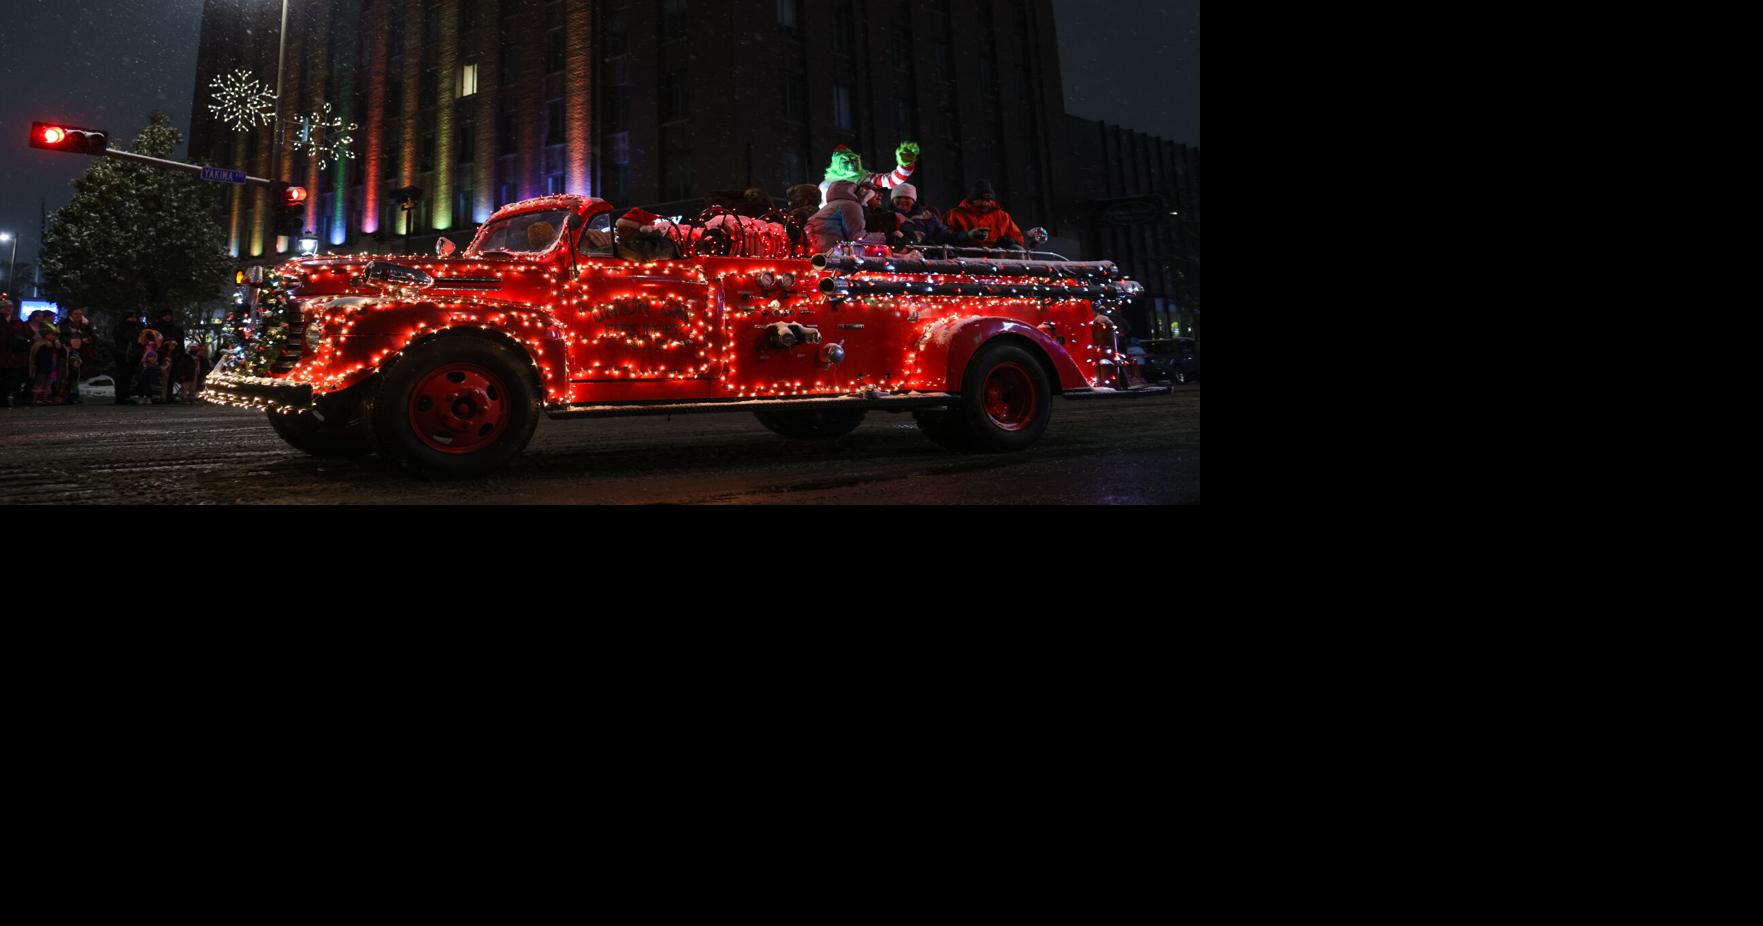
905,189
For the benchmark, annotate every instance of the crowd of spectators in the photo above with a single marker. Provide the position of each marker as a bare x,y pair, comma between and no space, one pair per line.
44,360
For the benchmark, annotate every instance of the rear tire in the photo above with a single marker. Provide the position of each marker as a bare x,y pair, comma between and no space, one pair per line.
944,428
1006,400
456,406
812,425
337,432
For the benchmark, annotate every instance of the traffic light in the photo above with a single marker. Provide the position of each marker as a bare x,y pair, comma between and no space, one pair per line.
290,211
52,136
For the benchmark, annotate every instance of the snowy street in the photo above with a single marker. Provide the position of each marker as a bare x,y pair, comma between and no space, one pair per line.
1141,451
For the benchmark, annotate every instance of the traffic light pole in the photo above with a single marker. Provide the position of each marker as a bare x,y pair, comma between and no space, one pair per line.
164,164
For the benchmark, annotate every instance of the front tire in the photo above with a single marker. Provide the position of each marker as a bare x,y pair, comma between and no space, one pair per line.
823,425
455,406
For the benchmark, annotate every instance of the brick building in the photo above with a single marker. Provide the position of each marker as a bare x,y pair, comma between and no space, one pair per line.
659,102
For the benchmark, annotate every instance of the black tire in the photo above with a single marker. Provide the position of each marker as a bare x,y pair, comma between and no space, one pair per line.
822,425
337,430
1006,401
483,428
944,428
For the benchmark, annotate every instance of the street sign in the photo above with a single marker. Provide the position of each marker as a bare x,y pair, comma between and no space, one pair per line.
222,175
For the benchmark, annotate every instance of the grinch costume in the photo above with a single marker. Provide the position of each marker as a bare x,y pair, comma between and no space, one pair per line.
848,165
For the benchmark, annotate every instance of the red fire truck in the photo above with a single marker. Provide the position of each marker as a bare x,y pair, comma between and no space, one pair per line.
445,364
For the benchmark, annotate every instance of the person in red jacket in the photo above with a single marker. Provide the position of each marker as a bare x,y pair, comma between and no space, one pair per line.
984,220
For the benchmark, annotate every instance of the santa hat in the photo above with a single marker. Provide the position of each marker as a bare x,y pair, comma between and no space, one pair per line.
637,218
905,189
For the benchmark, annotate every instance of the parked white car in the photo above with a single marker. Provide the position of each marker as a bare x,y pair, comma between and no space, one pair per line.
102,386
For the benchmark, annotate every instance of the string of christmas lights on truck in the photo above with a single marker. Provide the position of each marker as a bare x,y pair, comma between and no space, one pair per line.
445,364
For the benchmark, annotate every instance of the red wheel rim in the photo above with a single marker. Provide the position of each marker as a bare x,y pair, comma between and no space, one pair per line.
1009,396
459,408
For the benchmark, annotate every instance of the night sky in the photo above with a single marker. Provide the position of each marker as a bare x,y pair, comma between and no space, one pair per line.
107,63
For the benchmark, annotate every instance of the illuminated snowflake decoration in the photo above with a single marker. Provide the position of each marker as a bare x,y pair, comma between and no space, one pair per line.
242,101
325,137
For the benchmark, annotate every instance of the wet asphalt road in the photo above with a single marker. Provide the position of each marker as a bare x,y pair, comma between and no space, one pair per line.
1136,451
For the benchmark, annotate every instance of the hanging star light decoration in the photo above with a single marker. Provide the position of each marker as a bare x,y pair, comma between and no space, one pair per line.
325,137
242,101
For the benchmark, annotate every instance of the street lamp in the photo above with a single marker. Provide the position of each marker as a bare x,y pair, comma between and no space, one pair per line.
308,245
5,237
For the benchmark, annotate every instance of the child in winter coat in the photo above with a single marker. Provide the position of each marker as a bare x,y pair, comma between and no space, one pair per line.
48,358
841,219
151,383
70,380
919,223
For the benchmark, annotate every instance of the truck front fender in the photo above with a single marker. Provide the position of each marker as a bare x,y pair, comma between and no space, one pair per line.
373,337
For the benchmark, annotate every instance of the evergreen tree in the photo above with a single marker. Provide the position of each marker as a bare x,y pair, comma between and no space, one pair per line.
138,239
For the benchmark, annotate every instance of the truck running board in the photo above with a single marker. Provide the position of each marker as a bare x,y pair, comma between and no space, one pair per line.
1136,392
893,403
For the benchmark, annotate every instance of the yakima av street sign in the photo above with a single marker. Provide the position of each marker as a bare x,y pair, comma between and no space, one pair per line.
223,175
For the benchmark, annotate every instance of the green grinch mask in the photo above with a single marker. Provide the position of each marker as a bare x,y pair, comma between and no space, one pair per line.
846,165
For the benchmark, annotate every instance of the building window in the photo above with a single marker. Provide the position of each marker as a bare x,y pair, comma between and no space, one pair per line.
554,134
430,92
468,80
394,96
510,64
842,27
504,195
902,48
675,102
673,19
510,134
617,33
428,151
554,184
793,172
842,118
617,112
462,208
795,97
676,171
465,151
554,51
789,15
621,148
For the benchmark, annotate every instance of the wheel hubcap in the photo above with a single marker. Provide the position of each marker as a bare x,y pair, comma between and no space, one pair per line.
1009,396
459,408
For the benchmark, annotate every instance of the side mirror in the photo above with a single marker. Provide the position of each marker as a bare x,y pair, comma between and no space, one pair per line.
445,248
1037,237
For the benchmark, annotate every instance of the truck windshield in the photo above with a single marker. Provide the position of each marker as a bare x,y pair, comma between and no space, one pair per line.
528,233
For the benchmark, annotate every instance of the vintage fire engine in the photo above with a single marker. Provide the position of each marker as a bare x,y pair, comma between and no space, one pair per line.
446,364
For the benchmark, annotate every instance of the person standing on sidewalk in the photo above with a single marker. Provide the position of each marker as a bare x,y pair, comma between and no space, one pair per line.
128,357
15,350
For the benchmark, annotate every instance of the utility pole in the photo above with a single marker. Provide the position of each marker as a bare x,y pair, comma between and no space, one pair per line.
281,57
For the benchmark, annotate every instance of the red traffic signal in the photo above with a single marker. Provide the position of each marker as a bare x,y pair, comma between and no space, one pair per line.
71,138
290,213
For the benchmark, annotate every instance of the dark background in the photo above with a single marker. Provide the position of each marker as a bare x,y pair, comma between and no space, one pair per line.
107,64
